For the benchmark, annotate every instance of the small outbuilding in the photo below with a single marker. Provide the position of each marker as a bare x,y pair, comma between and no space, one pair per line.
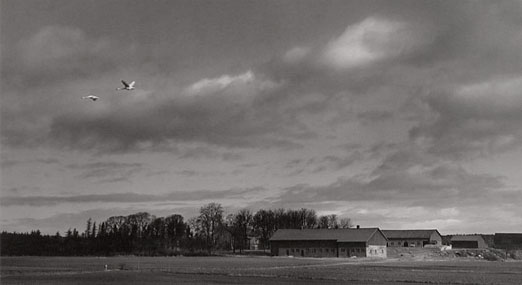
468,241
361,242
412,238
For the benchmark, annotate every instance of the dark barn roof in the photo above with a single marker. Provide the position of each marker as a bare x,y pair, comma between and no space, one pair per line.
467,238
405,234
340,235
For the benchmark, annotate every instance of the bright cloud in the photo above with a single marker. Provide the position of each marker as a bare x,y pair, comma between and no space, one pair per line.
216,84
501,95
371,40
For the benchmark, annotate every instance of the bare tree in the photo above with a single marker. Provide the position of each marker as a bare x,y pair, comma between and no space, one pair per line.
322,222
211,219
175,230
345,223
242,224
264,225
332,221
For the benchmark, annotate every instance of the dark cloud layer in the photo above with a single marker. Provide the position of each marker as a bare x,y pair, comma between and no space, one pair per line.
262,109
129,197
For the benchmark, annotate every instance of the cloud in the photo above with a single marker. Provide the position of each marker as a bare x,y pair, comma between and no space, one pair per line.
217,111
108,171
374,116
56,53
7,163
409,188
231,114
474,119
410,179
216,84
296,55
257,108
372,40
48,70
322,164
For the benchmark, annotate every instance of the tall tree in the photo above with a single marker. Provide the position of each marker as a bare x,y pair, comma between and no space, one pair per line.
211,219
88,228
240,226
93,232
175,230
264,225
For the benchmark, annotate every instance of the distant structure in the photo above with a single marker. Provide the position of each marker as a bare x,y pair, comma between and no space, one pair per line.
360,242
508,240
412,238
468,241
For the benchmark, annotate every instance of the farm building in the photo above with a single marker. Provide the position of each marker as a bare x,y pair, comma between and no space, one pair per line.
468,241
508,240
361,242
412,238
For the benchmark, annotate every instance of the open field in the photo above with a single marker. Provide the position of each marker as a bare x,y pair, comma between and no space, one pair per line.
250,270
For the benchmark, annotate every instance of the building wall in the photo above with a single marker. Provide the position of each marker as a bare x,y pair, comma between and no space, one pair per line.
327,249
376,251
407,242
349,249
435,238
304,248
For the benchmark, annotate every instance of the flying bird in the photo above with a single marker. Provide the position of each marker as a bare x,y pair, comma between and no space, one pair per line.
127,86
92,97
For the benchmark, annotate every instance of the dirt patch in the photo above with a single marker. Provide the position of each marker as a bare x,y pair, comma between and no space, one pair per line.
489,254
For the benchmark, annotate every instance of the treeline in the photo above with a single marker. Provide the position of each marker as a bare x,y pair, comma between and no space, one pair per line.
145,234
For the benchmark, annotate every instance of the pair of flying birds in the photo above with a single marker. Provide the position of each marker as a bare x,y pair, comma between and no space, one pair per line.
126,86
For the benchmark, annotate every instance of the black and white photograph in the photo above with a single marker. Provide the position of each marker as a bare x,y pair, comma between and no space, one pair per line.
260,142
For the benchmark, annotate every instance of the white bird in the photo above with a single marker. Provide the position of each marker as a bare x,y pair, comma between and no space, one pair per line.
127,86
92,97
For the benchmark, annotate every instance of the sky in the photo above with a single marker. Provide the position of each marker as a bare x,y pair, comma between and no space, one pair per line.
396,114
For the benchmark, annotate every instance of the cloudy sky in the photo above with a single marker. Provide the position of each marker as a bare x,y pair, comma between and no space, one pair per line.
397,114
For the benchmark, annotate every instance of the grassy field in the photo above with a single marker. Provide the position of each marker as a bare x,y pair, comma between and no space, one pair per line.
253,270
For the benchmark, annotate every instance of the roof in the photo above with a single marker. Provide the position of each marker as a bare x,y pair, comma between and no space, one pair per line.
340,235
404,234
515,235
467,238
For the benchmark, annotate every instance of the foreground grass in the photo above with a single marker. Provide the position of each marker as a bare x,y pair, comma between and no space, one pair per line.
252,270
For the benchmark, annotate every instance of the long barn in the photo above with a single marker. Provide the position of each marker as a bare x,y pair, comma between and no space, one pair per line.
361,242
412,238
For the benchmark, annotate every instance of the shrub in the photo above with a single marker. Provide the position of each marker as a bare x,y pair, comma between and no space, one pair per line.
490,256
